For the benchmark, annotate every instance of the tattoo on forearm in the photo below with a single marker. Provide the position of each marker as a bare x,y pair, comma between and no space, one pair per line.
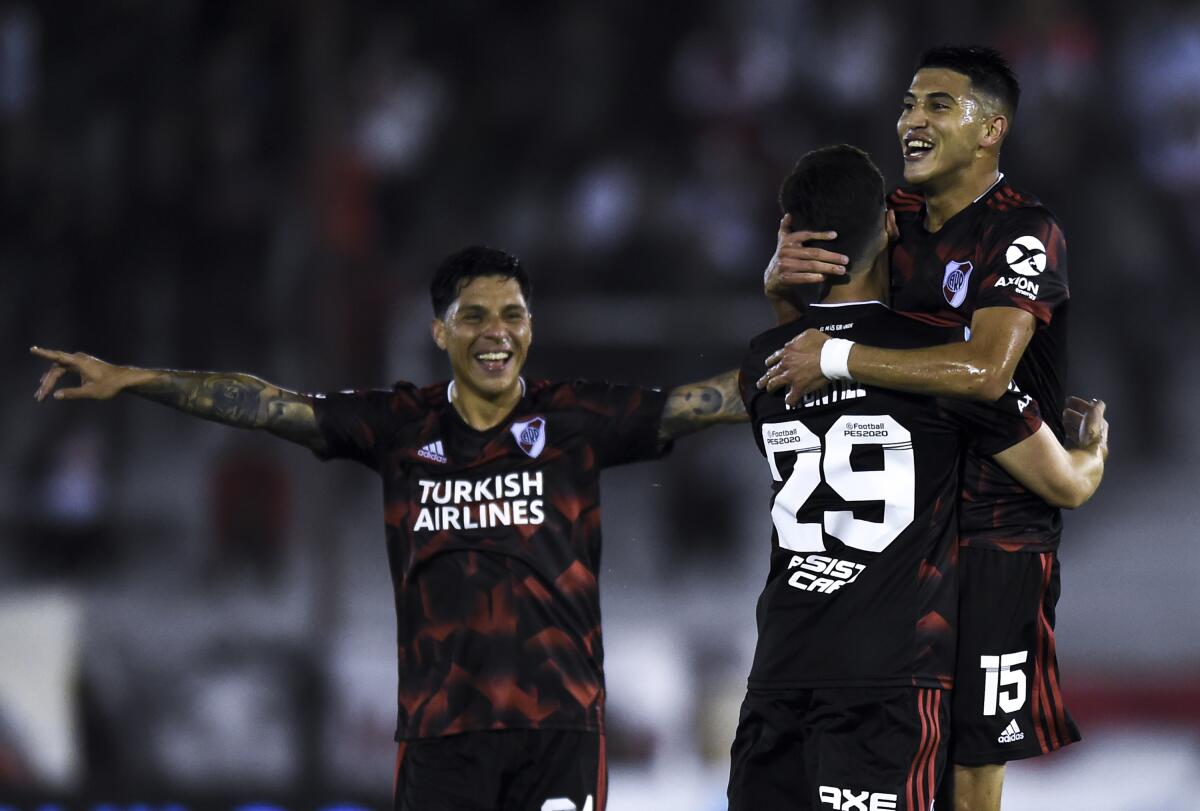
699,405
235,399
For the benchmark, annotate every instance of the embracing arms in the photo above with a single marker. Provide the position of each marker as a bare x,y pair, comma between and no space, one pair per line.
976,369
236,399
1063,476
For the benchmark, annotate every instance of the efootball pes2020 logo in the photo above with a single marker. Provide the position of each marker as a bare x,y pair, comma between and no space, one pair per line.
955,281
530,435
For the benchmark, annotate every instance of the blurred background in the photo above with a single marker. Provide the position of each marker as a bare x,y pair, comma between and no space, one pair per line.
194,617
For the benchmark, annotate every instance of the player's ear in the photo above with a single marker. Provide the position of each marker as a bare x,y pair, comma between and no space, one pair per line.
893,231
438,329
994,130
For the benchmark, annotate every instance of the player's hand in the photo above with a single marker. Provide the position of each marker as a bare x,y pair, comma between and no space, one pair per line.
796,263
1085,425
97,380
797,365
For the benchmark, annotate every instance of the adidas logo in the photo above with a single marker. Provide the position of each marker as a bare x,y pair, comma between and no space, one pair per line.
434,452
1011,733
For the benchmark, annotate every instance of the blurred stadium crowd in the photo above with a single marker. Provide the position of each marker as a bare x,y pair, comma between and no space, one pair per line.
266,186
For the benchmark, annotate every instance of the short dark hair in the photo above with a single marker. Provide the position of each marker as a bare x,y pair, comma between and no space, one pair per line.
836,188
459,269
987,69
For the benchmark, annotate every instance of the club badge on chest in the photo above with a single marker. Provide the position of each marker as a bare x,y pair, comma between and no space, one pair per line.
530,435
955,282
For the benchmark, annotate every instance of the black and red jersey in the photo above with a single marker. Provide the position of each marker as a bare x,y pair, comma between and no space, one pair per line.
1004,250
493,539
861,590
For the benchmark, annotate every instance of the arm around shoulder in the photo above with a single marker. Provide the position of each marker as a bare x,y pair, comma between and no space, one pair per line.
977,369
1063,477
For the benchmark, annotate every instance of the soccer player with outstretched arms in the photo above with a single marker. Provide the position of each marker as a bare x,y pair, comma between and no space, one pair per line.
492,526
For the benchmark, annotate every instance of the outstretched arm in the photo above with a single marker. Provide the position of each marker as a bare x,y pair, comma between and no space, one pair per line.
1063,477
977,369
236,399
694,406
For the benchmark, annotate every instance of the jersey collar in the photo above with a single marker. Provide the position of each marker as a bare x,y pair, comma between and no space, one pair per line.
450,390
988,190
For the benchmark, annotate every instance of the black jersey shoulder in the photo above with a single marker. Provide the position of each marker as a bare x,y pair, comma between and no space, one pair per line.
909,202
1007,197
867,322
906,200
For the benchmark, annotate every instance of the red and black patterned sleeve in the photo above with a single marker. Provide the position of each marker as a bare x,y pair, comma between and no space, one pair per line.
622,421
1026,264
356,424
995,427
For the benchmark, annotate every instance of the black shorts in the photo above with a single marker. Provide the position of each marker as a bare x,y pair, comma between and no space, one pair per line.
503,770
839,748
1008,703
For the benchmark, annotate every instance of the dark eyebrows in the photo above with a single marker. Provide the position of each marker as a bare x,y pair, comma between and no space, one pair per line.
480,309
938,95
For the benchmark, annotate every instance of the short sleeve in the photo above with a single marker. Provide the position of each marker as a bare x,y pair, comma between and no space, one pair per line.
995,427
1026,265
622,421
356,424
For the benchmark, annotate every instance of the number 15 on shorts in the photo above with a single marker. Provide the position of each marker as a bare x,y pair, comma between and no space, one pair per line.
1002,685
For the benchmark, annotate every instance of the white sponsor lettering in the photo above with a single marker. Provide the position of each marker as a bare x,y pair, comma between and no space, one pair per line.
821,573
506,500
1020,285
844,799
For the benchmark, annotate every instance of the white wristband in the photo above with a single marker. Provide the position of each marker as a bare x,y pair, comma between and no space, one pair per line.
835,359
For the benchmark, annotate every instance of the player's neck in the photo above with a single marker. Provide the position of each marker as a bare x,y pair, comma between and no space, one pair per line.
945,199
480,411
865,283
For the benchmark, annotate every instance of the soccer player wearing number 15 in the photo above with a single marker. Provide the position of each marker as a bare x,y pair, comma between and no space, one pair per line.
848,694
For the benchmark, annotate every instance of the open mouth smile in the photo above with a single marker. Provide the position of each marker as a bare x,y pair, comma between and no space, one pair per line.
494,361
916,148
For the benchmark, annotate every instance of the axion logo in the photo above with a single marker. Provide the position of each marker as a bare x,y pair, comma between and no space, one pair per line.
954,282
1026,255
530,435
843,799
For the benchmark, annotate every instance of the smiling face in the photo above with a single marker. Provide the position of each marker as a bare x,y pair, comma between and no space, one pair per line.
486,331
946,129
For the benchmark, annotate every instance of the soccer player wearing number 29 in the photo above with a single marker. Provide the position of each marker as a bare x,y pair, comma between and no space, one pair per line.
973,250
848,696
492,521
